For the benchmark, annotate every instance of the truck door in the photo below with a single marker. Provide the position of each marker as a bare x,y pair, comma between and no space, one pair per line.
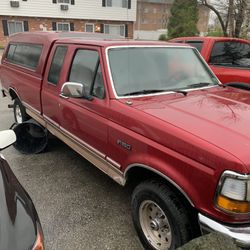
52,84
85,119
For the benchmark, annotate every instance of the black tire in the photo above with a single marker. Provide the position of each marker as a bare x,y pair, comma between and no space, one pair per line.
20,114
177,215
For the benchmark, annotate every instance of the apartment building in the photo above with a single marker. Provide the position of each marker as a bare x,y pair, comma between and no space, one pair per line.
153,15
103,16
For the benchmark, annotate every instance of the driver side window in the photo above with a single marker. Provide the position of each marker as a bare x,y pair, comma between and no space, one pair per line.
86,69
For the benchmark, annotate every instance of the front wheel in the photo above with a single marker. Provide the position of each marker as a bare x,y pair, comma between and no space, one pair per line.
20,114
160,218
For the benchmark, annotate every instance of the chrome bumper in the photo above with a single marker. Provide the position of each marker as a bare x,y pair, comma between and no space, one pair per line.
241,234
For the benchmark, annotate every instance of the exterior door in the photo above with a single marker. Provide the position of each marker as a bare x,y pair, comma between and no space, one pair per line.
85,119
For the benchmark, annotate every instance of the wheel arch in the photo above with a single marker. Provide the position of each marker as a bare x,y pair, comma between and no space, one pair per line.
136,173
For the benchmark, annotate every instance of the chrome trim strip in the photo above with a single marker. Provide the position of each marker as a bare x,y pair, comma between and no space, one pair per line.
241,234
82,142
88,152
29,107
151,46
235,175
51,121
116,164
36,117
162,175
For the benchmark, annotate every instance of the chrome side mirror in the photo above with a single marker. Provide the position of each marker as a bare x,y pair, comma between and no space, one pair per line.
7,138
73,90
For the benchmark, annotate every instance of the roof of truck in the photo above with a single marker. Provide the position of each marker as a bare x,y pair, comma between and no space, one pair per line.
97,39
199,38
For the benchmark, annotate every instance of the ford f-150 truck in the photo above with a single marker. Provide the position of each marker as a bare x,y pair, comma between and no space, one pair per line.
150,114
229,58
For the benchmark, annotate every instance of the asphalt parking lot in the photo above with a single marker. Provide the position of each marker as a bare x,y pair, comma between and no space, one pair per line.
79,206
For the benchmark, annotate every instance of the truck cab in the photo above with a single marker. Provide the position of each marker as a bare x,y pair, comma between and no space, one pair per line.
227,57
149,114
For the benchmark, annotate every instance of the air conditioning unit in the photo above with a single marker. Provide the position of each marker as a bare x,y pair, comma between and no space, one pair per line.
14,4
64,7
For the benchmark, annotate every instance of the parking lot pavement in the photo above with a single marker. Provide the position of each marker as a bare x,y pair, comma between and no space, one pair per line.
79,206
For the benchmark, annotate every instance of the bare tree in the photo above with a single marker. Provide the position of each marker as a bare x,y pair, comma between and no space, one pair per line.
230,13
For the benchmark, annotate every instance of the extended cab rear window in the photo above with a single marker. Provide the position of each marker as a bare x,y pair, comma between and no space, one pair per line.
231,54
26,55
197,44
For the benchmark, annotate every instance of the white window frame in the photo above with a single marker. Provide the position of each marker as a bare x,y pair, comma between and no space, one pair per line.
13,21
93,26
63,23
120,25
107,5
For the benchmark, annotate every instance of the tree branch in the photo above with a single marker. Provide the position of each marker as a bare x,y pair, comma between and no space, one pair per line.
223,26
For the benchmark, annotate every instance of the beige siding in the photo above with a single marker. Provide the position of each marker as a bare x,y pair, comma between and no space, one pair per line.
83,9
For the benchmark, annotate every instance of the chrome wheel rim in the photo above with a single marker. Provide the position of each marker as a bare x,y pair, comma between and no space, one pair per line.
18,113
155,225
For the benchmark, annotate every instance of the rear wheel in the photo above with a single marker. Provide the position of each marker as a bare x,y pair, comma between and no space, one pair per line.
20,114
160,218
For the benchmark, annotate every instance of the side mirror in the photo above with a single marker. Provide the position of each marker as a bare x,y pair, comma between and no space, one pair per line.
7,138
73,90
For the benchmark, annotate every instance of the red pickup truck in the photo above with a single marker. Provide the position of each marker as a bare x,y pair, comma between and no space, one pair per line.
229,58
146,113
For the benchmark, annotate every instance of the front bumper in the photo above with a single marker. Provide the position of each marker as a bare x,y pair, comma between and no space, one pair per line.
241,234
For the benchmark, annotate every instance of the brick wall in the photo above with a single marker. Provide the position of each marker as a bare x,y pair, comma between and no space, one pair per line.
39,24
154,16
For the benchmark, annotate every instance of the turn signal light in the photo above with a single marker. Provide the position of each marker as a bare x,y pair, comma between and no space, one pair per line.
232,205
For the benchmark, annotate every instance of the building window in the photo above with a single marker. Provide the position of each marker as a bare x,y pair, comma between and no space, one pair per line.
63,26
15,27
114,29
145,10
117,3
64,1
154,10
89,27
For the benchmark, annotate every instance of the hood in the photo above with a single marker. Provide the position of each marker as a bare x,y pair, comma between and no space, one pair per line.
219,116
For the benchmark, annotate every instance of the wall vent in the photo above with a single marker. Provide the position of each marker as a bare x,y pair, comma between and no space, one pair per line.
64,7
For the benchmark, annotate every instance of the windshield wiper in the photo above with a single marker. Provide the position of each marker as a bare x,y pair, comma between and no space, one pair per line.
198,85
145,91
151,91
179,91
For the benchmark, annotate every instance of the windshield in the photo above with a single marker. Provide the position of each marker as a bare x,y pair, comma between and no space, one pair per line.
145,70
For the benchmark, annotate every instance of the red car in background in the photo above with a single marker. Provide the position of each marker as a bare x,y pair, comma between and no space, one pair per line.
229,58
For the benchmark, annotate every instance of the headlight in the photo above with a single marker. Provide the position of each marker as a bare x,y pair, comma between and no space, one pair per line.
233,194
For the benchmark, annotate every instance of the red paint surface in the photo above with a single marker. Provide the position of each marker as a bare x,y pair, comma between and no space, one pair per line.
191,139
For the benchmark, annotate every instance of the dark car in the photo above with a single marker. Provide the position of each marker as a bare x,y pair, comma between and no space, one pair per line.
20,227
